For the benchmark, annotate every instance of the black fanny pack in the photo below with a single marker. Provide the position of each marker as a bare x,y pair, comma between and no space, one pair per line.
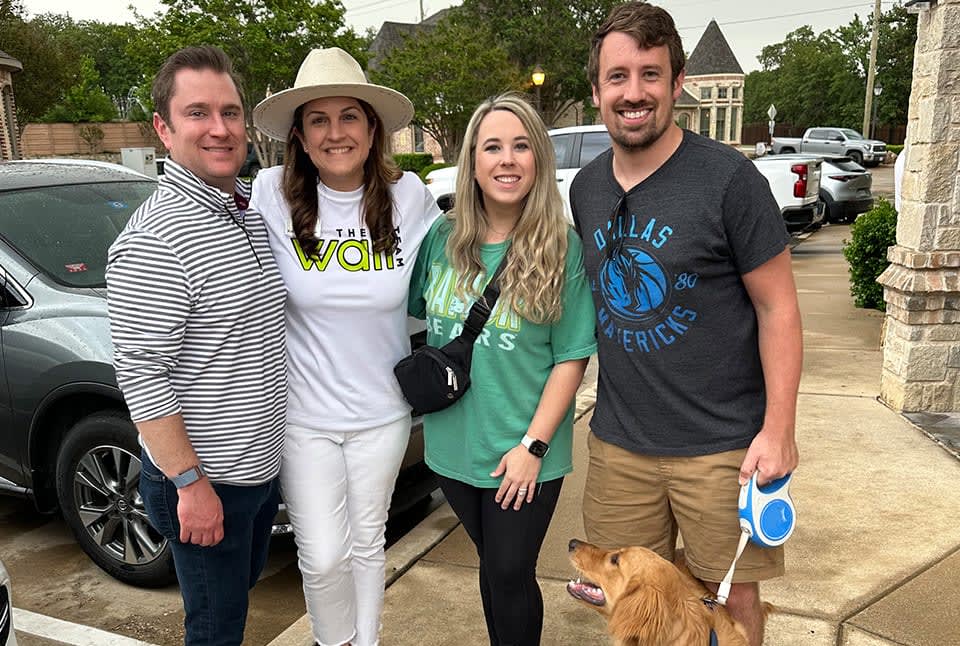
432,379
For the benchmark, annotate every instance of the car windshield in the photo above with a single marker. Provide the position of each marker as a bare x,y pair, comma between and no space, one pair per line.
66,230
851,134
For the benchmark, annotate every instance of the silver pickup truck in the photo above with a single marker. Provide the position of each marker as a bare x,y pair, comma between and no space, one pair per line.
833,142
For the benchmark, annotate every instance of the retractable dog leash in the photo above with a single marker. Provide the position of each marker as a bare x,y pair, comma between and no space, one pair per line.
767,517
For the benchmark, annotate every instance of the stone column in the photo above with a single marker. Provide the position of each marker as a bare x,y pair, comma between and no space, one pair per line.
921,356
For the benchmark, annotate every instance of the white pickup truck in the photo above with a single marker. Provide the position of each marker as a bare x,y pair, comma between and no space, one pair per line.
795,182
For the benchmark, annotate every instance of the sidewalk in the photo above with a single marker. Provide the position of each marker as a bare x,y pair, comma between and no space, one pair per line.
875,559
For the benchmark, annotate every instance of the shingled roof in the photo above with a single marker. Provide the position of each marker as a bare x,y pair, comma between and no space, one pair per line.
687,100
712,55
391,35
9,62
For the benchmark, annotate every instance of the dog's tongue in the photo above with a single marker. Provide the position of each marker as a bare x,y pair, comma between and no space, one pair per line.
586,591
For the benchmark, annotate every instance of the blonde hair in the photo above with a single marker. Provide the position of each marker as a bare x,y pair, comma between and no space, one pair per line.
532,280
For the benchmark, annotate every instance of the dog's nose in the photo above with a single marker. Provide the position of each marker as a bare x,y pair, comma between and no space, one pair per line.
573,544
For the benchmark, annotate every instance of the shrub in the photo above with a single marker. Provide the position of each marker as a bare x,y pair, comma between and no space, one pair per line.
413,161
871,234
894,148
432,167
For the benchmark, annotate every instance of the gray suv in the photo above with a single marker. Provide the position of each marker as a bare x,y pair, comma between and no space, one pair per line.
66,439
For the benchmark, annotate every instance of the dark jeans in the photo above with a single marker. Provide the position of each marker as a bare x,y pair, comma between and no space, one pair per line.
508,544
214,581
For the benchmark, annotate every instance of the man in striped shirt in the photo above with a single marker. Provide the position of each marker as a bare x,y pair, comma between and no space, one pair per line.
196,314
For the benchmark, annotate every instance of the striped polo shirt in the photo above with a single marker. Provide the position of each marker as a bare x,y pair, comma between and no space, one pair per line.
197,318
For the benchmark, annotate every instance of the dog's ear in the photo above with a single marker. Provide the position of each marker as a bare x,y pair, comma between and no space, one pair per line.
642,613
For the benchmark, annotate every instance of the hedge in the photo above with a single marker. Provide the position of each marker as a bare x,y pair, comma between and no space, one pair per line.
414,162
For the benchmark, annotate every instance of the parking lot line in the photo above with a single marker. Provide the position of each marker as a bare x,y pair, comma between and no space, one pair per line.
67,633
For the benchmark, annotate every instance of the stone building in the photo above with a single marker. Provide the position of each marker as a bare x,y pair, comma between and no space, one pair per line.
712,99
9,144
921,354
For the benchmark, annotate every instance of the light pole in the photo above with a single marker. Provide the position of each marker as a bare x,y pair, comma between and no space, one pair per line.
877,90
538,76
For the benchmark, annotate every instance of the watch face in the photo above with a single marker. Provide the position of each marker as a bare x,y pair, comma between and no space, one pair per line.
539,448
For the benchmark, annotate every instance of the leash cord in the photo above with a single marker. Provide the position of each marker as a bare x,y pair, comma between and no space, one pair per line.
724,590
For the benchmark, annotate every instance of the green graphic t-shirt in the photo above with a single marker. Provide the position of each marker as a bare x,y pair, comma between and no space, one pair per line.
512,360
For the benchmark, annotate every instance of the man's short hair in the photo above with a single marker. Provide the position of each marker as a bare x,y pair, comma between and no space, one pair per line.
649,25
205,57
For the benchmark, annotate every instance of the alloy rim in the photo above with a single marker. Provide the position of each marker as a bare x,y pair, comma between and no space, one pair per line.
106,489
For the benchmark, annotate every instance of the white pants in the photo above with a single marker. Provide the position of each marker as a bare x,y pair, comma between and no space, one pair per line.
337,487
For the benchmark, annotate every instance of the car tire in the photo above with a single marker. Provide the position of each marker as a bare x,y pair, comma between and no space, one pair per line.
254,169
98,486
856,156
787,151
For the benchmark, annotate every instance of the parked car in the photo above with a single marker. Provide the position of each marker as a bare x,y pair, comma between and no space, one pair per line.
795,183
7,636
442,184
833,142
67,440
846,189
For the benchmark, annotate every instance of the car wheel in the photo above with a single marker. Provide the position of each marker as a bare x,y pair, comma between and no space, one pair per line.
98,485
787,151
254,169
856,156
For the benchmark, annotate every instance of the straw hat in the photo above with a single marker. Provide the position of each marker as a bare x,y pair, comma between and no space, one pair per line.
330,72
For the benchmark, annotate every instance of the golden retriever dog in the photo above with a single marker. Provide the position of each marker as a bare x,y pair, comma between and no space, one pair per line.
649,601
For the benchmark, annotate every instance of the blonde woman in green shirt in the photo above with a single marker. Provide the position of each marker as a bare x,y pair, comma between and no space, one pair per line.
501,451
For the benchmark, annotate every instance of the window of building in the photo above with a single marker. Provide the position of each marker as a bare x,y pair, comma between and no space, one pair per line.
721,124
735,92
684,121
418,146
734,118
706,92
705,122
721,92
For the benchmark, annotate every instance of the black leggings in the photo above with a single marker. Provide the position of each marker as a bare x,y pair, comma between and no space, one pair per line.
508,543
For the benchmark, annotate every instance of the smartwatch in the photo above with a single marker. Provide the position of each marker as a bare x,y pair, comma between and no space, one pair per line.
536,447
188,477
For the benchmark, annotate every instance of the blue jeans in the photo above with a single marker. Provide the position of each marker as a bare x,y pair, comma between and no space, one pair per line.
214,581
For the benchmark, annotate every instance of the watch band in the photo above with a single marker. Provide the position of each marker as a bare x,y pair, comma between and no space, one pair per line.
536,447
188,477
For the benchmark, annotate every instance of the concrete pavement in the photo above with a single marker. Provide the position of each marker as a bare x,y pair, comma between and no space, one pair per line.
875,559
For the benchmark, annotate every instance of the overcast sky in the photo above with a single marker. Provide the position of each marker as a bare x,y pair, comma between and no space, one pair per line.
747,24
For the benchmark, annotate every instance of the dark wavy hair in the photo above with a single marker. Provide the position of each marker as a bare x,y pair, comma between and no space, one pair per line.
300,178
650,26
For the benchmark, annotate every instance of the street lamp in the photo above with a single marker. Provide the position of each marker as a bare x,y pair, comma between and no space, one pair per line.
877,91
538,77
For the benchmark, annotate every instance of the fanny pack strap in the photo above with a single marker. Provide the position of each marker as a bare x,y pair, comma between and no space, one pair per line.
483,306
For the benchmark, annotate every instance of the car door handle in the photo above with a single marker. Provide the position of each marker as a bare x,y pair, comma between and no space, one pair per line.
559,179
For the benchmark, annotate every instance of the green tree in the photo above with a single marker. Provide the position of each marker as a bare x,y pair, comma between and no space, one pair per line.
50,61
820,79
552,33
106,44
266,39
84,101
446,72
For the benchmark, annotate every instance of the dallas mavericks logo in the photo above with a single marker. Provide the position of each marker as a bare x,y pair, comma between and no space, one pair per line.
633,284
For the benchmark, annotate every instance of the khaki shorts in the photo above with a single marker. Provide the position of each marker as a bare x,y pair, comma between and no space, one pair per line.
633,499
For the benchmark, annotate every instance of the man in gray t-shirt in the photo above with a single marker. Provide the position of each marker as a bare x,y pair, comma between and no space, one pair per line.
698,325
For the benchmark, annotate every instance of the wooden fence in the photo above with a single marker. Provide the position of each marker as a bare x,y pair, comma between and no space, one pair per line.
53,139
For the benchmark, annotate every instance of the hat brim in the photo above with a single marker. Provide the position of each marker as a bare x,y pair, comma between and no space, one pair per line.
274,115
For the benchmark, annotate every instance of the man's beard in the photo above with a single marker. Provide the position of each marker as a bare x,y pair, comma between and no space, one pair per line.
635,140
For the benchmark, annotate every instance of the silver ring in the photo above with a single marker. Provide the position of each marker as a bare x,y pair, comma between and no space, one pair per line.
521,491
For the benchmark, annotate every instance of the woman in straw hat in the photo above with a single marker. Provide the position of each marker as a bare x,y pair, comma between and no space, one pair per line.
503,449
345,226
